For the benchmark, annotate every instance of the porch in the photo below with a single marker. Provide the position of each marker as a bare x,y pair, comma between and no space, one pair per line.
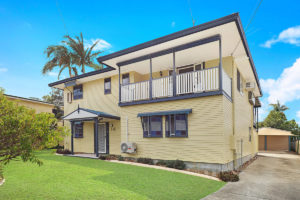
182,73
90,129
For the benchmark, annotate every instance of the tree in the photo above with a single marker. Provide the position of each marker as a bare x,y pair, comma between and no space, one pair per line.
279,107
275,119
22,132
82,56
56,97
59,56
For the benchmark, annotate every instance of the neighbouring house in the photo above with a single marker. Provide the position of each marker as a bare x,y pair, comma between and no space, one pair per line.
38,106
191,95
272,139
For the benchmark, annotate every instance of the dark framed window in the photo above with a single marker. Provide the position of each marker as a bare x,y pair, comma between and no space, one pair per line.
77,92
78,129
125,79
107,86
152,126
176,125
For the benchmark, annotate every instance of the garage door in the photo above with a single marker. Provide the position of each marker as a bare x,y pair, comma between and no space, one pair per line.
278,143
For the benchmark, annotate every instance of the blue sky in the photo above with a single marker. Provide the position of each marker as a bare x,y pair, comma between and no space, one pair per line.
28,27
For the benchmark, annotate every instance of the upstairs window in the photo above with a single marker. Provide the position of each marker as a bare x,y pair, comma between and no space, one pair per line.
77,92
78,129
152,126
107,86
176,125
125,79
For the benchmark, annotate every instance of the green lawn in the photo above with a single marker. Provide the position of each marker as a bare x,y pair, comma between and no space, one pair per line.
62,177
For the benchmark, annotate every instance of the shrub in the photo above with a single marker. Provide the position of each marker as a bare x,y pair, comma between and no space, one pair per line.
63,151
103,157
229,176
148,161
121,158
177,164
161,163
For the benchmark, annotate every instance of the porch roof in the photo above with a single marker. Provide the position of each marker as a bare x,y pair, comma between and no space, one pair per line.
87,114
168,112
273,131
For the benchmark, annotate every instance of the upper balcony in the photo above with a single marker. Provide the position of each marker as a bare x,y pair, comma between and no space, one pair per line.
186,71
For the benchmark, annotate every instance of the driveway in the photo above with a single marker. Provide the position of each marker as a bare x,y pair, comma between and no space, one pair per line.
269,177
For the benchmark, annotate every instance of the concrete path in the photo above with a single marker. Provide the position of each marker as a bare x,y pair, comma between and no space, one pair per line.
266,178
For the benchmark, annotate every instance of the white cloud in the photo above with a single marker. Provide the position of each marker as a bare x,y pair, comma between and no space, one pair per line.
173,24
3,69
289,36
286,87
298,114
53,74
102,44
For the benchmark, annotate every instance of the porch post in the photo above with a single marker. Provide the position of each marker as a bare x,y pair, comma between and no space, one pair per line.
72,137
107,137
119,84
150,83
220,64
96,136
174,75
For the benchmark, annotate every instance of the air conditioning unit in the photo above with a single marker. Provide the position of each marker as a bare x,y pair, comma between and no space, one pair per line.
251,98
250,86
128,147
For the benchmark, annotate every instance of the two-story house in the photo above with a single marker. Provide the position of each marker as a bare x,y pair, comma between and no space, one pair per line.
191,95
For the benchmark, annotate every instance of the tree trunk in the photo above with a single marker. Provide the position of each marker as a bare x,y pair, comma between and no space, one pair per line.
82,69
70,71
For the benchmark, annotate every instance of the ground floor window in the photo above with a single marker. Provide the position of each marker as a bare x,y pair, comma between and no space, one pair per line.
176,125
152,126
78,129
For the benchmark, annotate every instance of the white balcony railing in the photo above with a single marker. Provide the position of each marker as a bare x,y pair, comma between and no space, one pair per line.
135,91
226,83
198,81
162,87
192,82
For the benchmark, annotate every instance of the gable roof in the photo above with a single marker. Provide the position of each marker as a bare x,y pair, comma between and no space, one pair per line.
274,132
27,99
83,113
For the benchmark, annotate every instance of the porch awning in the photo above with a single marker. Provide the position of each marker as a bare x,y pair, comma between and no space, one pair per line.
170,112
84,114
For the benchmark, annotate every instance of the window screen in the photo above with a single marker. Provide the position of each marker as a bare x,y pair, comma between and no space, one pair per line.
152,126
125,79
176,125
78,129
107,86
77,92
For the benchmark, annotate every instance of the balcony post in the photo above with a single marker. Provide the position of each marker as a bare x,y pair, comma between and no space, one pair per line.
174,75
220,64
72,137
119,84
150,83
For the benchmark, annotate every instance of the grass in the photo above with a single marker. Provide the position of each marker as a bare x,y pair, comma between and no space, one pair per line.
62,177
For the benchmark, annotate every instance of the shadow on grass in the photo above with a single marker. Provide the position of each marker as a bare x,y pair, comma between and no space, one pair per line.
152,183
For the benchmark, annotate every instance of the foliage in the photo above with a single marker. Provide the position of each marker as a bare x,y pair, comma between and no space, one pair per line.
82,56
71,54
56,97
177,164
1,172
59,56
229,176
148,161
277,119
161,162
63,177
121,158
63,151
278,107
22,132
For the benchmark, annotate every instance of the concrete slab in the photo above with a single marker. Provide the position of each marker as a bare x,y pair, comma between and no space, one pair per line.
286,155
266,178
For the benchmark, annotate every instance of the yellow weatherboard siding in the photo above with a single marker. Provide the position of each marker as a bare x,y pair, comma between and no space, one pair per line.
37,106
215,125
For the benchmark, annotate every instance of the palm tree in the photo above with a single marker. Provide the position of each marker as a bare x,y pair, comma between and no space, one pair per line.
60,57
82,56
278,107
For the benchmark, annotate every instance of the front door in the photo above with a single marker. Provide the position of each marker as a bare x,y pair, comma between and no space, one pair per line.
101,138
